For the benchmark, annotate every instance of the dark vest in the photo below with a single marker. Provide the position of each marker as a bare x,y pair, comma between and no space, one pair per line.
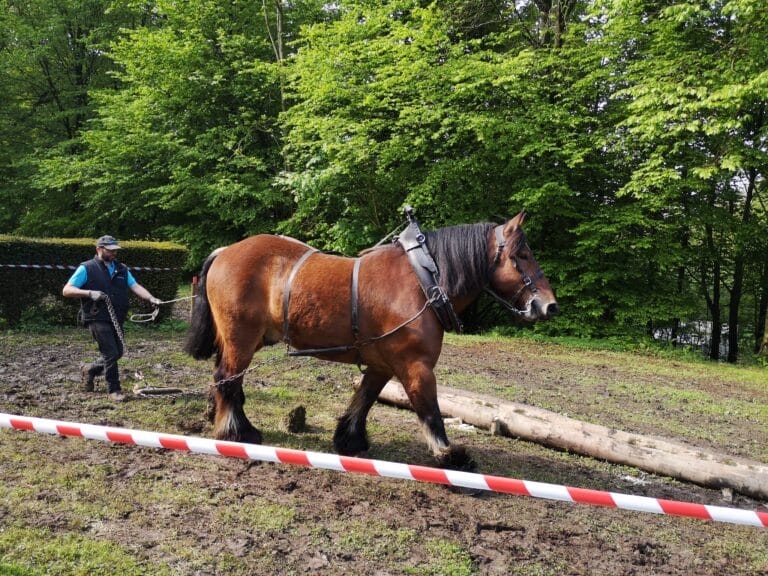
115,287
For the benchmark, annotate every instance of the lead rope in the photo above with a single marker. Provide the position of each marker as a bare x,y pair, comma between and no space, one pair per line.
151,316
147,391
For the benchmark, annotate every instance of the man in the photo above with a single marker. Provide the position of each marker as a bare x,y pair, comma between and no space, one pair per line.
99,282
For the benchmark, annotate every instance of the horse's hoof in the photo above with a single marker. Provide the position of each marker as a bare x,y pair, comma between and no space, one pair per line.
252,436
456,458
348,444
355,448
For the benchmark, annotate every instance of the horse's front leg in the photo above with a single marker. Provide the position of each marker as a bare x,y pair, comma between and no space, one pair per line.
351,437
420,385
225,409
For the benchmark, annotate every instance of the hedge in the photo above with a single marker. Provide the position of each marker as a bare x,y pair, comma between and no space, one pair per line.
26,290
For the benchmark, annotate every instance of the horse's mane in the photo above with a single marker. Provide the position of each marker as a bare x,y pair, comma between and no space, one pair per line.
461,255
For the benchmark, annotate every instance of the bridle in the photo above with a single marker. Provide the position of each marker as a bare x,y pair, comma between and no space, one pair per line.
528,282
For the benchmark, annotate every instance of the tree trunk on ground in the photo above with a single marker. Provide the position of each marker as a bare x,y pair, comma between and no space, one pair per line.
550,429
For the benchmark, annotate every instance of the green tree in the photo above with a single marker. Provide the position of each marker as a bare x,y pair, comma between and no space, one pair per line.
392,103
697,88
51,57
186,146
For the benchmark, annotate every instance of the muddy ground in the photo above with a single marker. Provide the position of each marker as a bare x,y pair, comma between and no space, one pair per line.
71,506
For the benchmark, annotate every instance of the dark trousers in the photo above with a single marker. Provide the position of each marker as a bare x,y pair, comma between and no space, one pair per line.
111,351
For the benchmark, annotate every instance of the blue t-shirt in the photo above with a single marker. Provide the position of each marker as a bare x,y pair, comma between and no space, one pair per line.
80,277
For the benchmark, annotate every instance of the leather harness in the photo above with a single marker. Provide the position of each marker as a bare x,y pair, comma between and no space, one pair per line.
287,292
413,242
355,309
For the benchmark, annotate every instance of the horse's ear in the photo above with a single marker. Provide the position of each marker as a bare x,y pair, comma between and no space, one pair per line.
515,222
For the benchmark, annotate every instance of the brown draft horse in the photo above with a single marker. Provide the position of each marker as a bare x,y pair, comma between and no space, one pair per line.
240,307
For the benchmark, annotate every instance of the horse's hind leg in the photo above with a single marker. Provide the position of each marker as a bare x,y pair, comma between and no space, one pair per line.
351,437
421,387
226,396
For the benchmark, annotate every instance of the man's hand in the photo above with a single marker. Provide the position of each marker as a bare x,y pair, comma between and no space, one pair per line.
155,301
97,295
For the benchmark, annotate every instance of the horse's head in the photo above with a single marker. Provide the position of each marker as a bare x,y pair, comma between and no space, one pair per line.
516,279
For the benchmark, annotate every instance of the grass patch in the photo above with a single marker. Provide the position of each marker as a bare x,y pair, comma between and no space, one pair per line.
35,551
748,553
446,559
15,570
376,541
257,515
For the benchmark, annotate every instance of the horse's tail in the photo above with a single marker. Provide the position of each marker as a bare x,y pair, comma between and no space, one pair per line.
201,338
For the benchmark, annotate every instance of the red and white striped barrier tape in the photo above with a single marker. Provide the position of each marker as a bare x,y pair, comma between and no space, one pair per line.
70,267
388,470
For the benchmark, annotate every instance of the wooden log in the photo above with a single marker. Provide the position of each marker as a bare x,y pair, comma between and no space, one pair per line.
656,455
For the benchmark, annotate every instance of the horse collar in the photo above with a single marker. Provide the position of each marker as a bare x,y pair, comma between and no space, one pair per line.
413,241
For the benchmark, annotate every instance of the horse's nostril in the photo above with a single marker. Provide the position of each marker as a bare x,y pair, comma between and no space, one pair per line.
552,309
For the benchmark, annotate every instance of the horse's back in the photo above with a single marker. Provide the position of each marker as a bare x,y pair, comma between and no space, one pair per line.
247,278
241,261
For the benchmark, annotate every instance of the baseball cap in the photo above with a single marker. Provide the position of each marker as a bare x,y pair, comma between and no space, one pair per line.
108,242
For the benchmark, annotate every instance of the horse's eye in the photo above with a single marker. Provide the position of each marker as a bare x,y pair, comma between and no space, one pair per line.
523,256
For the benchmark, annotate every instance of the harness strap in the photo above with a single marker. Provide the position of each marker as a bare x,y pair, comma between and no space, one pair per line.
355,300
287,291
355,304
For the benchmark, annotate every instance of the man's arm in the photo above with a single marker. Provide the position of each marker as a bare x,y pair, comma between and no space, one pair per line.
142,292
72,289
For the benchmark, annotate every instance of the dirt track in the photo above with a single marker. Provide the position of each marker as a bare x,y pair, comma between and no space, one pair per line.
163,512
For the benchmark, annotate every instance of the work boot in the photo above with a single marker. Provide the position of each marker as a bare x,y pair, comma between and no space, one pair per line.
87,377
